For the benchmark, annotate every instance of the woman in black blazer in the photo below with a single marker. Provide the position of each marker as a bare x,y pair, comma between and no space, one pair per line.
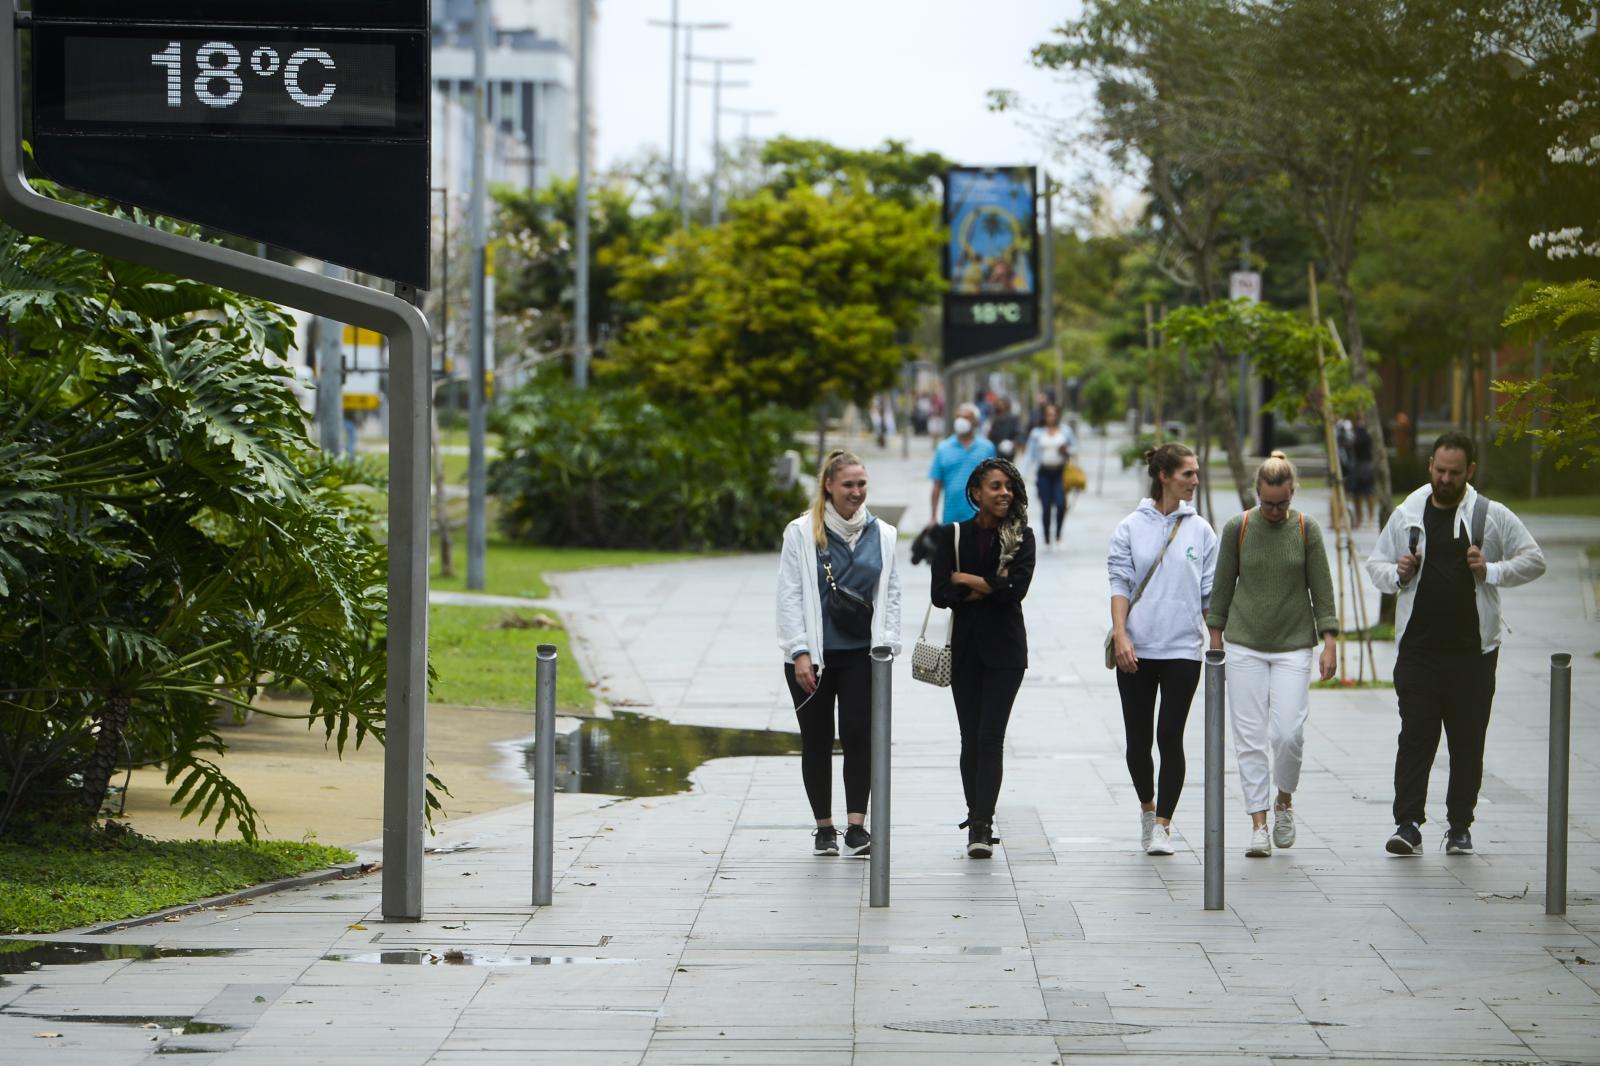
988,640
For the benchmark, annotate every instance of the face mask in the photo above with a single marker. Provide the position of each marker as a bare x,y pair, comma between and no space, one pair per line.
962,426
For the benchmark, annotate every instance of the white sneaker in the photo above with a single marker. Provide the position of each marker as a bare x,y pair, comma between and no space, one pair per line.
1283,827
1160,840
1260,843
1147,825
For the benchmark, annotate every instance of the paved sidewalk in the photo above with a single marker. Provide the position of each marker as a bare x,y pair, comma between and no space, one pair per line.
697,928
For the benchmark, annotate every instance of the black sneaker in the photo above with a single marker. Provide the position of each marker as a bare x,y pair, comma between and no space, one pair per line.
857,841
1407,840
1457,841
825,841
980,845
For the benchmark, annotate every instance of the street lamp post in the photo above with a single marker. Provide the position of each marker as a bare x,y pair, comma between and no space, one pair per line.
682,183
717,84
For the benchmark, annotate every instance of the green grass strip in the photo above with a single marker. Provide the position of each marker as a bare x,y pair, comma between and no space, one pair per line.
518,569
45,887
485,657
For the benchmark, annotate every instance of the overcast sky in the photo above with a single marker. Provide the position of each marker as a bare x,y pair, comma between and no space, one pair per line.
854,73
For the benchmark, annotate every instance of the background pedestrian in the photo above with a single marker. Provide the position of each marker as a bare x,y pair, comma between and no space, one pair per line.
954,460
1050,448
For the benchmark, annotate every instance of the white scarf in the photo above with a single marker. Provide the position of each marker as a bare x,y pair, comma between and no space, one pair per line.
846,529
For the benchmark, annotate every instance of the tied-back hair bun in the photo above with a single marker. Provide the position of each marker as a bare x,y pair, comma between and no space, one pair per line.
1276,469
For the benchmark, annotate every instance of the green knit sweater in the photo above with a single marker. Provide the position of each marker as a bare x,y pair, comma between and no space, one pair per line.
1275,593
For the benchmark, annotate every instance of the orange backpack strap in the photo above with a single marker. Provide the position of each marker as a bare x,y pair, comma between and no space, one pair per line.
1303,542
1244,525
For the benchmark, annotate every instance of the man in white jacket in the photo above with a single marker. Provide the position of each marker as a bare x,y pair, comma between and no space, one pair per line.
1447,551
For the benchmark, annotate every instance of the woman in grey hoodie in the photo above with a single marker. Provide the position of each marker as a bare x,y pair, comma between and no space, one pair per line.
1162,561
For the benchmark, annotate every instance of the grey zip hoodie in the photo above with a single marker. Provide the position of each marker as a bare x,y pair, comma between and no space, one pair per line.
1166,623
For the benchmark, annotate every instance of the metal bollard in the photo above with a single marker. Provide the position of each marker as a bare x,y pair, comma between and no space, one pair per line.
882,696
1555,838
1216,675
544,776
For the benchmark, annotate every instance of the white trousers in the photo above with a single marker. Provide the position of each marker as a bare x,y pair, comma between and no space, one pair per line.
1269,698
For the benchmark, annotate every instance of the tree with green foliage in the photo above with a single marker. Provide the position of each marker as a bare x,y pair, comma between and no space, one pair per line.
1549,95
606,467
796,300
170,538
892,172
1314,108
1281,346
536,272
1561,409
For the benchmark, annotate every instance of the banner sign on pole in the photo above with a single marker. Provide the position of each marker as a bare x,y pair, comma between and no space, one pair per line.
991,259
300,124
1245,285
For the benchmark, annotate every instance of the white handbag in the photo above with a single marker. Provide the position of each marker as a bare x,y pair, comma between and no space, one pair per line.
930,663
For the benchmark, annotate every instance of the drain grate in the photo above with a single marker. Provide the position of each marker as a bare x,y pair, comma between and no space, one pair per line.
1020,1027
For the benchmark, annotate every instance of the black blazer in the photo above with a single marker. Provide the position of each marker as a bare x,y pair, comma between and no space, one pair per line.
990,627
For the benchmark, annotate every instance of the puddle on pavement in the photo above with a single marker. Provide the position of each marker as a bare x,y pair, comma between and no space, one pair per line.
636,755
25,956
154,1022
467,958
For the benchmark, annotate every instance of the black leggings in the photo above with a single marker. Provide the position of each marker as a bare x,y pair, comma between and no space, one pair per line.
1176,680
983,696
847,678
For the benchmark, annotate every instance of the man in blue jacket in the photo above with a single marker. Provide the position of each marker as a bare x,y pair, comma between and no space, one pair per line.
957,456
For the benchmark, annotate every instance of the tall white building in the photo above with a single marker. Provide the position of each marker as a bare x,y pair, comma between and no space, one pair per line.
532,70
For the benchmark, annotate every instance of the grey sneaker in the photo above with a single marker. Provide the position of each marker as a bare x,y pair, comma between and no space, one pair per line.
1147,826
1283,827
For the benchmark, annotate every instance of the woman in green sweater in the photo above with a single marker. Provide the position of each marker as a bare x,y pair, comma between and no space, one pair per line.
1272,599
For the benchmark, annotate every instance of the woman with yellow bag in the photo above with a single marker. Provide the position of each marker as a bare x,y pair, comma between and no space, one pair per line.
1050,448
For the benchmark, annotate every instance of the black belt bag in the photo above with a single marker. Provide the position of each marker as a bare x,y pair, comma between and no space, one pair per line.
851,614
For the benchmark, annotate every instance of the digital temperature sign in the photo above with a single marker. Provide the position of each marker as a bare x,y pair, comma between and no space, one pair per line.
991,260
298,124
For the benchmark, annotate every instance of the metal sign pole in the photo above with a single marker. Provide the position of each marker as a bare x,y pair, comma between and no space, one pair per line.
410,346
544,775
1555,847
1216,674
882,698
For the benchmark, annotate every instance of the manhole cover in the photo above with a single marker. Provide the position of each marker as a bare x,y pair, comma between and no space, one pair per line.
1020,1027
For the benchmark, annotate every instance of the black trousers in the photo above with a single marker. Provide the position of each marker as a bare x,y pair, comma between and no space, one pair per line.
983,696
846,682
1174,681
1449,691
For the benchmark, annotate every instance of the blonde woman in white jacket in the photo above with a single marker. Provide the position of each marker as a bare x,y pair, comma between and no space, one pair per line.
837,561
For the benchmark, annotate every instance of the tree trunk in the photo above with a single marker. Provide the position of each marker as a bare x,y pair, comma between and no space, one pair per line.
1355,350
1228,428
822,433
111,727
441,514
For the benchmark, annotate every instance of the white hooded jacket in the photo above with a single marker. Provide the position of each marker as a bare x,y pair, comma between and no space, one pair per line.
1513,559
1166,623
800,599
